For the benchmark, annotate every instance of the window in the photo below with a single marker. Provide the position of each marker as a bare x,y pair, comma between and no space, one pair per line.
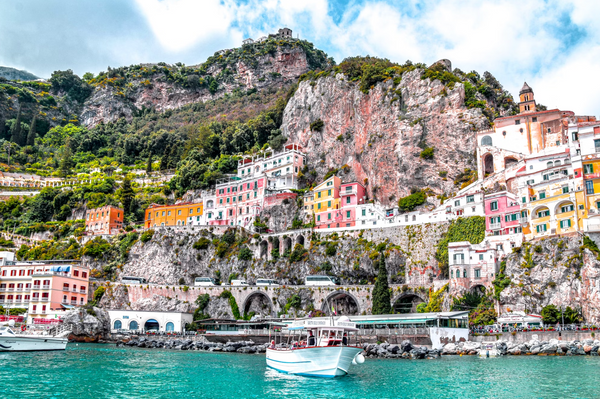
486,140
517,121
364,212
530,182
494,205
328,192
567,208
163,213
319,205
457,203
347,200
459,259
542,194
480,257
329,204
565,189
118,325
565,224
347,214
588,168
589,186
477,273
544,213
465,273
541,228
534,119
319,194
597,145
549,164
75,273
329,216
470,198
179,212
318,218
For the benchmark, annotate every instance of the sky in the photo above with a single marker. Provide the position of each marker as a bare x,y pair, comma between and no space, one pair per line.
554,45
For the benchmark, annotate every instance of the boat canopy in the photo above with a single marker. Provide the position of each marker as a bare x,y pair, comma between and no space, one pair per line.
343,322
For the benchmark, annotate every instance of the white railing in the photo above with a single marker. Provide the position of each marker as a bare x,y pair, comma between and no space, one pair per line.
495,226
45,299
36,287
45,287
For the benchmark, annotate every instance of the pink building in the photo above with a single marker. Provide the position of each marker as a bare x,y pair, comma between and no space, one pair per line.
351,194
502,214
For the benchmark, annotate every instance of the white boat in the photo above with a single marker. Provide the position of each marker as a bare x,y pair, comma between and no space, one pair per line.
325,352
12,342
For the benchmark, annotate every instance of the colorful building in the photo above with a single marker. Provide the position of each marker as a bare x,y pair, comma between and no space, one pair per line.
502,214
326,203
352,195
179,214
43,289
105,220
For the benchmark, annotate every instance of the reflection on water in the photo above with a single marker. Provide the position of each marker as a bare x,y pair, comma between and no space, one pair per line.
103,371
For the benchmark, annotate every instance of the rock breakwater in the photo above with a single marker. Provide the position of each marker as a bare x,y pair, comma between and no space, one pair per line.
552,347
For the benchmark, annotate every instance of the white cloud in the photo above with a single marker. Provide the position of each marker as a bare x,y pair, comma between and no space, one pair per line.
180,24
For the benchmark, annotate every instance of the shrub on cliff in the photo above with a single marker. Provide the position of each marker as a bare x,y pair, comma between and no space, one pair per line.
298,254
235,310
410,202
331,249
427,153
317,125
382,298
95,248
147,235
550,314
201,244
99,293
245,253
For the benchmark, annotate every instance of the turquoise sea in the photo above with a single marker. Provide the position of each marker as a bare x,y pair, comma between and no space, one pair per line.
104,371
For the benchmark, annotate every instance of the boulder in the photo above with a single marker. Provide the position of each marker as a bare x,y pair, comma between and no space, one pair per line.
406,346
450,349
548,348
394,349
87,325
587,348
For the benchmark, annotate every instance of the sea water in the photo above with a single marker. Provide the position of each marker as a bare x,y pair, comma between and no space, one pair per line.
105,371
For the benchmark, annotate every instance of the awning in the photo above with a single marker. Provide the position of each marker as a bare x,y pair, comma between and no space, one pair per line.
413,321
61,268
67,306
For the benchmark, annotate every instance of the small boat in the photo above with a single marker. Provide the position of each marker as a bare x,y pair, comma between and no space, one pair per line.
12,342
325,351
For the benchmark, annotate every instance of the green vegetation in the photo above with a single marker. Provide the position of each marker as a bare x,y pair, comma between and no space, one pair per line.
501,281
245,253
436,298
409,203
470,229
299,254
147,235
202,303
202,243
552,315
99,293
382,297
427,153
234,306
317,125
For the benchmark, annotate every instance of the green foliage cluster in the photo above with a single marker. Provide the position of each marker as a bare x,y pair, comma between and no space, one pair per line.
317,125
202,244
235,310
470,229
245,253
96,248
147,235
552,315
382,297
484,314
501,281
410,202
99,293
427,153
436,298
202,303
299,254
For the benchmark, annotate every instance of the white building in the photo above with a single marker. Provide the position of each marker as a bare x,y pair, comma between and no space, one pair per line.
472,264
140,321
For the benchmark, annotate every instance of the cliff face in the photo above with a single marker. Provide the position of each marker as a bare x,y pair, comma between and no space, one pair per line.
271,70
380,135
556,271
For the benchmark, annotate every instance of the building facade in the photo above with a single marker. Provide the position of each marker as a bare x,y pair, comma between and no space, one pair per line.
105,220
140,321
179,214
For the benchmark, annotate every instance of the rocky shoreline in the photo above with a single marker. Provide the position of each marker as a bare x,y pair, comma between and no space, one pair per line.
406,350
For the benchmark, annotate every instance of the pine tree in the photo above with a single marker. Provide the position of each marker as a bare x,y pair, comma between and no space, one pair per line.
127,195
164,161
381,292
149,164
32,134
66,161
16,129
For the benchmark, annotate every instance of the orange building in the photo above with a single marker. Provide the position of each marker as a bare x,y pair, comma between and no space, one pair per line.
105,220
181,214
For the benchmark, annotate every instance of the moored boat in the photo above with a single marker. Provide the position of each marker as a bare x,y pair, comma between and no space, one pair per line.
13,342
323,348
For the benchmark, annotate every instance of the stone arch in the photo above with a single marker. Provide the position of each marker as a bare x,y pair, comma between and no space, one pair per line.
486,140
152,324
287,244
478,288
258,302
488,164
557,208
300,239
264,248
534,213
407,302
342,301
509,161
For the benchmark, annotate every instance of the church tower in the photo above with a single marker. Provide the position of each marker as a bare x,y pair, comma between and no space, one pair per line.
526,101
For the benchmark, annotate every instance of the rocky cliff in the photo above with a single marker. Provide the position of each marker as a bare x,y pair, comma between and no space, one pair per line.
271,64
378,137
558,271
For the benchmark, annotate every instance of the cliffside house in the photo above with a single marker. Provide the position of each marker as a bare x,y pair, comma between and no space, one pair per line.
44,288
143,321
178,214
103,221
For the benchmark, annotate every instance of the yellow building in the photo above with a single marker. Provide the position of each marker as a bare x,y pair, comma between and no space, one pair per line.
326,202
182,214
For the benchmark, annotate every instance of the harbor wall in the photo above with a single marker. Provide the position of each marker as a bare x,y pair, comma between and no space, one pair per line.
523,337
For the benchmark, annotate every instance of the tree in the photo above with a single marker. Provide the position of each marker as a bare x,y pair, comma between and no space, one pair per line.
381,293
75,88
164,161
32,133
66,161
127,195
550,314
16,129
149,164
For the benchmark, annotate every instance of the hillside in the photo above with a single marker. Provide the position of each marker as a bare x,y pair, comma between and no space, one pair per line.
16,74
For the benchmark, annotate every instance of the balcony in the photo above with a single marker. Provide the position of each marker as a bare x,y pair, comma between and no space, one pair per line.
45,287
65,288
19,289
591,175
36,287
82,292
349,192
74,290
10,289
495,226
74,303
44,299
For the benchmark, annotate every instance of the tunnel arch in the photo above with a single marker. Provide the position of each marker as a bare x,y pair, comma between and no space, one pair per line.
407,302
287,244
342,301
488,164
264,248
258,300
508,161
300,239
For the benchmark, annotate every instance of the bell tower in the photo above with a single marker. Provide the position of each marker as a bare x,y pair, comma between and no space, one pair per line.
526,100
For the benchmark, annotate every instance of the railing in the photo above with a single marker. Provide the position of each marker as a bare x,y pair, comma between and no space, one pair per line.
82,291
495,226
36,287
74,303
10,289
45,299
45,287
74,289
19,289
65,288
349,192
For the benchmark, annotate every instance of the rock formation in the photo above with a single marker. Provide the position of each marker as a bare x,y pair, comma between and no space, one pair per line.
87,325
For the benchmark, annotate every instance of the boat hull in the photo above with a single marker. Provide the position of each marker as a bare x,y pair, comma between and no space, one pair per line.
326,361
25,343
